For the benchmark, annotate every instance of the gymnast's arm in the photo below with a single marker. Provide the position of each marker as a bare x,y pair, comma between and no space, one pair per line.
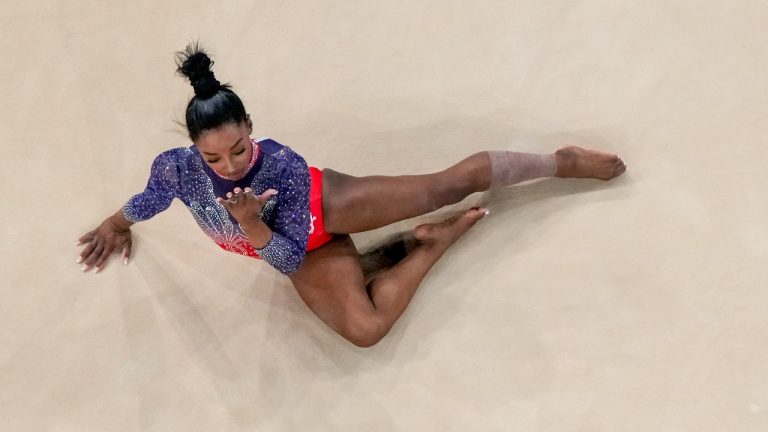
114,234
290,230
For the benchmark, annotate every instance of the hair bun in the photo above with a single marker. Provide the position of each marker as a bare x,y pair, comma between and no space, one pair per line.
195,64
206,85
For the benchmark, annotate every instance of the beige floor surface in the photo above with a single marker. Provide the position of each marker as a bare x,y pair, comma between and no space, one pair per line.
639,304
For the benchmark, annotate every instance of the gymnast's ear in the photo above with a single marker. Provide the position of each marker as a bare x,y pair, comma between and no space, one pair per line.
249,122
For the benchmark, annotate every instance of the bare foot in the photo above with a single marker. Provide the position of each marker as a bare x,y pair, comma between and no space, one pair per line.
445,233
581,163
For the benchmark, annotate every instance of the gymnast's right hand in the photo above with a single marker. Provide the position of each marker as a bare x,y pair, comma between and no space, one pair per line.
102,241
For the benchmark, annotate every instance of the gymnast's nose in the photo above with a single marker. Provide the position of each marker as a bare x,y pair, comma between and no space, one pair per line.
231,168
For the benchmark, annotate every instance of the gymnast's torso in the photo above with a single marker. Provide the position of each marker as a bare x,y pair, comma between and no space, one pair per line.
180,173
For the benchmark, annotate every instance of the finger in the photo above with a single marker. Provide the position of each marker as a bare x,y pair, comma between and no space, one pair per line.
93,257
126,252
232,198
86,237
86,253
91,260
239,195
103,258
269,193
223,202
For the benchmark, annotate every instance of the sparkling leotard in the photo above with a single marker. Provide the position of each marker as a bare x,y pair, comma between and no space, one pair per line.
181,173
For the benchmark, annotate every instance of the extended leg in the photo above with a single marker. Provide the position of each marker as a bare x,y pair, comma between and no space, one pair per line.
331,283
356,204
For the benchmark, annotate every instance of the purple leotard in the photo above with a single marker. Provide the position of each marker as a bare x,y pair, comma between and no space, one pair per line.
181,173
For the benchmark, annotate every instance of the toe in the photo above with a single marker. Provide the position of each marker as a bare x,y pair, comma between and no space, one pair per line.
423,232
474,214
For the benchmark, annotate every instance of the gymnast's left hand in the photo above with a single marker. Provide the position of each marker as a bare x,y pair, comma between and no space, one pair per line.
244,205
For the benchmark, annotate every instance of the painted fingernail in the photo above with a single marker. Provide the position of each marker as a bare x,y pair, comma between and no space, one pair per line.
79,260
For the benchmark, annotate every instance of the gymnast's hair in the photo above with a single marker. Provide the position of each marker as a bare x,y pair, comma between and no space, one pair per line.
214,104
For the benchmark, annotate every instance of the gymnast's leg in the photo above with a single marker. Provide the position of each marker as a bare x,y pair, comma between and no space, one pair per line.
356,204
331,280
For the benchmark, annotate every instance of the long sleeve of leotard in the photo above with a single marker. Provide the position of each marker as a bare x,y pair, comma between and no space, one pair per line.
162,188
290,227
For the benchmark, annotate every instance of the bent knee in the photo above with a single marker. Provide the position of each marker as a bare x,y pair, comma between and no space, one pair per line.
365,332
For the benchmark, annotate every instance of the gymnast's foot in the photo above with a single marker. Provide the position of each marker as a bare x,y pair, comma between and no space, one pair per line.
445,233
581,163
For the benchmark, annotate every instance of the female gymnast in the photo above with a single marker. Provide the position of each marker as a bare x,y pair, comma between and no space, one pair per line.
259,198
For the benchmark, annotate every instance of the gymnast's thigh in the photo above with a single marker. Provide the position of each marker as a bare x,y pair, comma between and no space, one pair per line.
331,282
356,204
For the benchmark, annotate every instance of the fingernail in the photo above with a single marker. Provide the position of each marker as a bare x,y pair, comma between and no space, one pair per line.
97,269
487,212
85,267
79,260
125,261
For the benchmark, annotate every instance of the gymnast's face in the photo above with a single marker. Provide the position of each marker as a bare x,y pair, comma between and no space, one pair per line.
227,149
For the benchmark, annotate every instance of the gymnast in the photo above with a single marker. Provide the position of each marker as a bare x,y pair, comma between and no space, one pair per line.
258,198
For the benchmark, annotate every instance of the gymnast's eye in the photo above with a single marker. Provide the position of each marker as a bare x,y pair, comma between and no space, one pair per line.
238,153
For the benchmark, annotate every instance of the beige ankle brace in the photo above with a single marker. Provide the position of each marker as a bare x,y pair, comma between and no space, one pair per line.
508,168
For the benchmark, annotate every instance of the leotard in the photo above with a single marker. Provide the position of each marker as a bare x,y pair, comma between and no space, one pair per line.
296,225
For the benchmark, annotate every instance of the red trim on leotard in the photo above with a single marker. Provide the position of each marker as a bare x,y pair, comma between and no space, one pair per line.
317,234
